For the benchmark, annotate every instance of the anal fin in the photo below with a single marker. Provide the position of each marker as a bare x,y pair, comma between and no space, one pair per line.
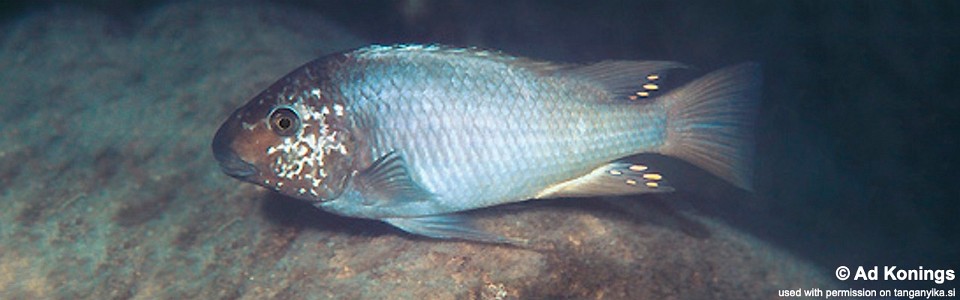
449,226
616,178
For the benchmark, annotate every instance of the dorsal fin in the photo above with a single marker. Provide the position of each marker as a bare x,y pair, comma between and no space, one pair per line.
625,79
537,66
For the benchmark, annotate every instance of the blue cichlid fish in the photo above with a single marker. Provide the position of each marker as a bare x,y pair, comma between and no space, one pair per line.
412,135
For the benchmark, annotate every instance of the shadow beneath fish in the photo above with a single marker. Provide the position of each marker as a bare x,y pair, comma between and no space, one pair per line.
285,211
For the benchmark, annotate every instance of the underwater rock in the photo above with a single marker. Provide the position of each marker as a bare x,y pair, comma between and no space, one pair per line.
109,189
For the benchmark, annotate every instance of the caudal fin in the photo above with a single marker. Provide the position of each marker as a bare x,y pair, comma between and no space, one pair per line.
710,122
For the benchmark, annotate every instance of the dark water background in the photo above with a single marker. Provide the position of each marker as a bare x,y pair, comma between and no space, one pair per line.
858,131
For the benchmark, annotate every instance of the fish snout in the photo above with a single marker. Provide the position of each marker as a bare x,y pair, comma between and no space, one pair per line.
230,162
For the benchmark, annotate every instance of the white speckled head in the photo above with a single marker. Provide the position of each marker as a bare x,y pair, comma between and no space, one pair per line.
290,138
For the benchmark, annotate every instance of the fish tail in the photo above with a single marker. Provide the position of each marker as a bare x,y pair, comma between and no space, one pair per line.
710,122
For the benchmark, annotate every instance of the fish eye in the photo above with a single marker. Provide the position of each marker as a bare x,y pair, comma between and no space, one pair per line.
284,121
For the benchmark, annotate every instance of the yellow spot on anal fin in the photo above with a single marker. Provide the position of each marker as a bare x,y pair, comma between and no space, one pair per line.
632,97
653,77
643,94
652,176
631,182
615,172
651,87
638,168
652,184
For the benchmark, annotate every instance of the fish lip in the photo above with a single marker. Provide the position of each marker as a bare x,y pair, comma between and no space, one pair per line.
230,162
232,165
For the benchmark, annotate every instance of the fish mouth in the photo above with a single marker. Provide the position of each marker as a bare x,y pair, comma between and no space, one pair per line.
230,162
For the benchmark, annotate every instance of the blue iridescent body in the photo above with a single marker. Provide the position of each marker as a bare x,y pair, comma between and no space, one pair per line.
412,134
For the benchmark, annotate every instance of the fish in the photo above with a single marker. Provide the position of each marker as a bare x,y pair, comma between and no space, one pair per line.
416,135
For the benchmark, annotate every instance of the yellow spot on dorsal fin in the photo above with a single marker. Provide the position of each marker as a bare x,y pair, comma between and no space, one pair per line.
638,168
631,182
615,172
653,77
652,176
651,87
652,184
633,97
643,94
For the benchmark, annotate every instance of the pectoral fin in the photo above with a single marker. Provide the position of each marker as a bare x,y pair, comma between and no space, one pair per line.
449,226
388,182
616,178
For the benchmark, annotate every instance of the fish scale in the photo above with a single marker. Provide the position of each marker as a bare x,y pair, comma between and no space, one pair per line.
519,155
